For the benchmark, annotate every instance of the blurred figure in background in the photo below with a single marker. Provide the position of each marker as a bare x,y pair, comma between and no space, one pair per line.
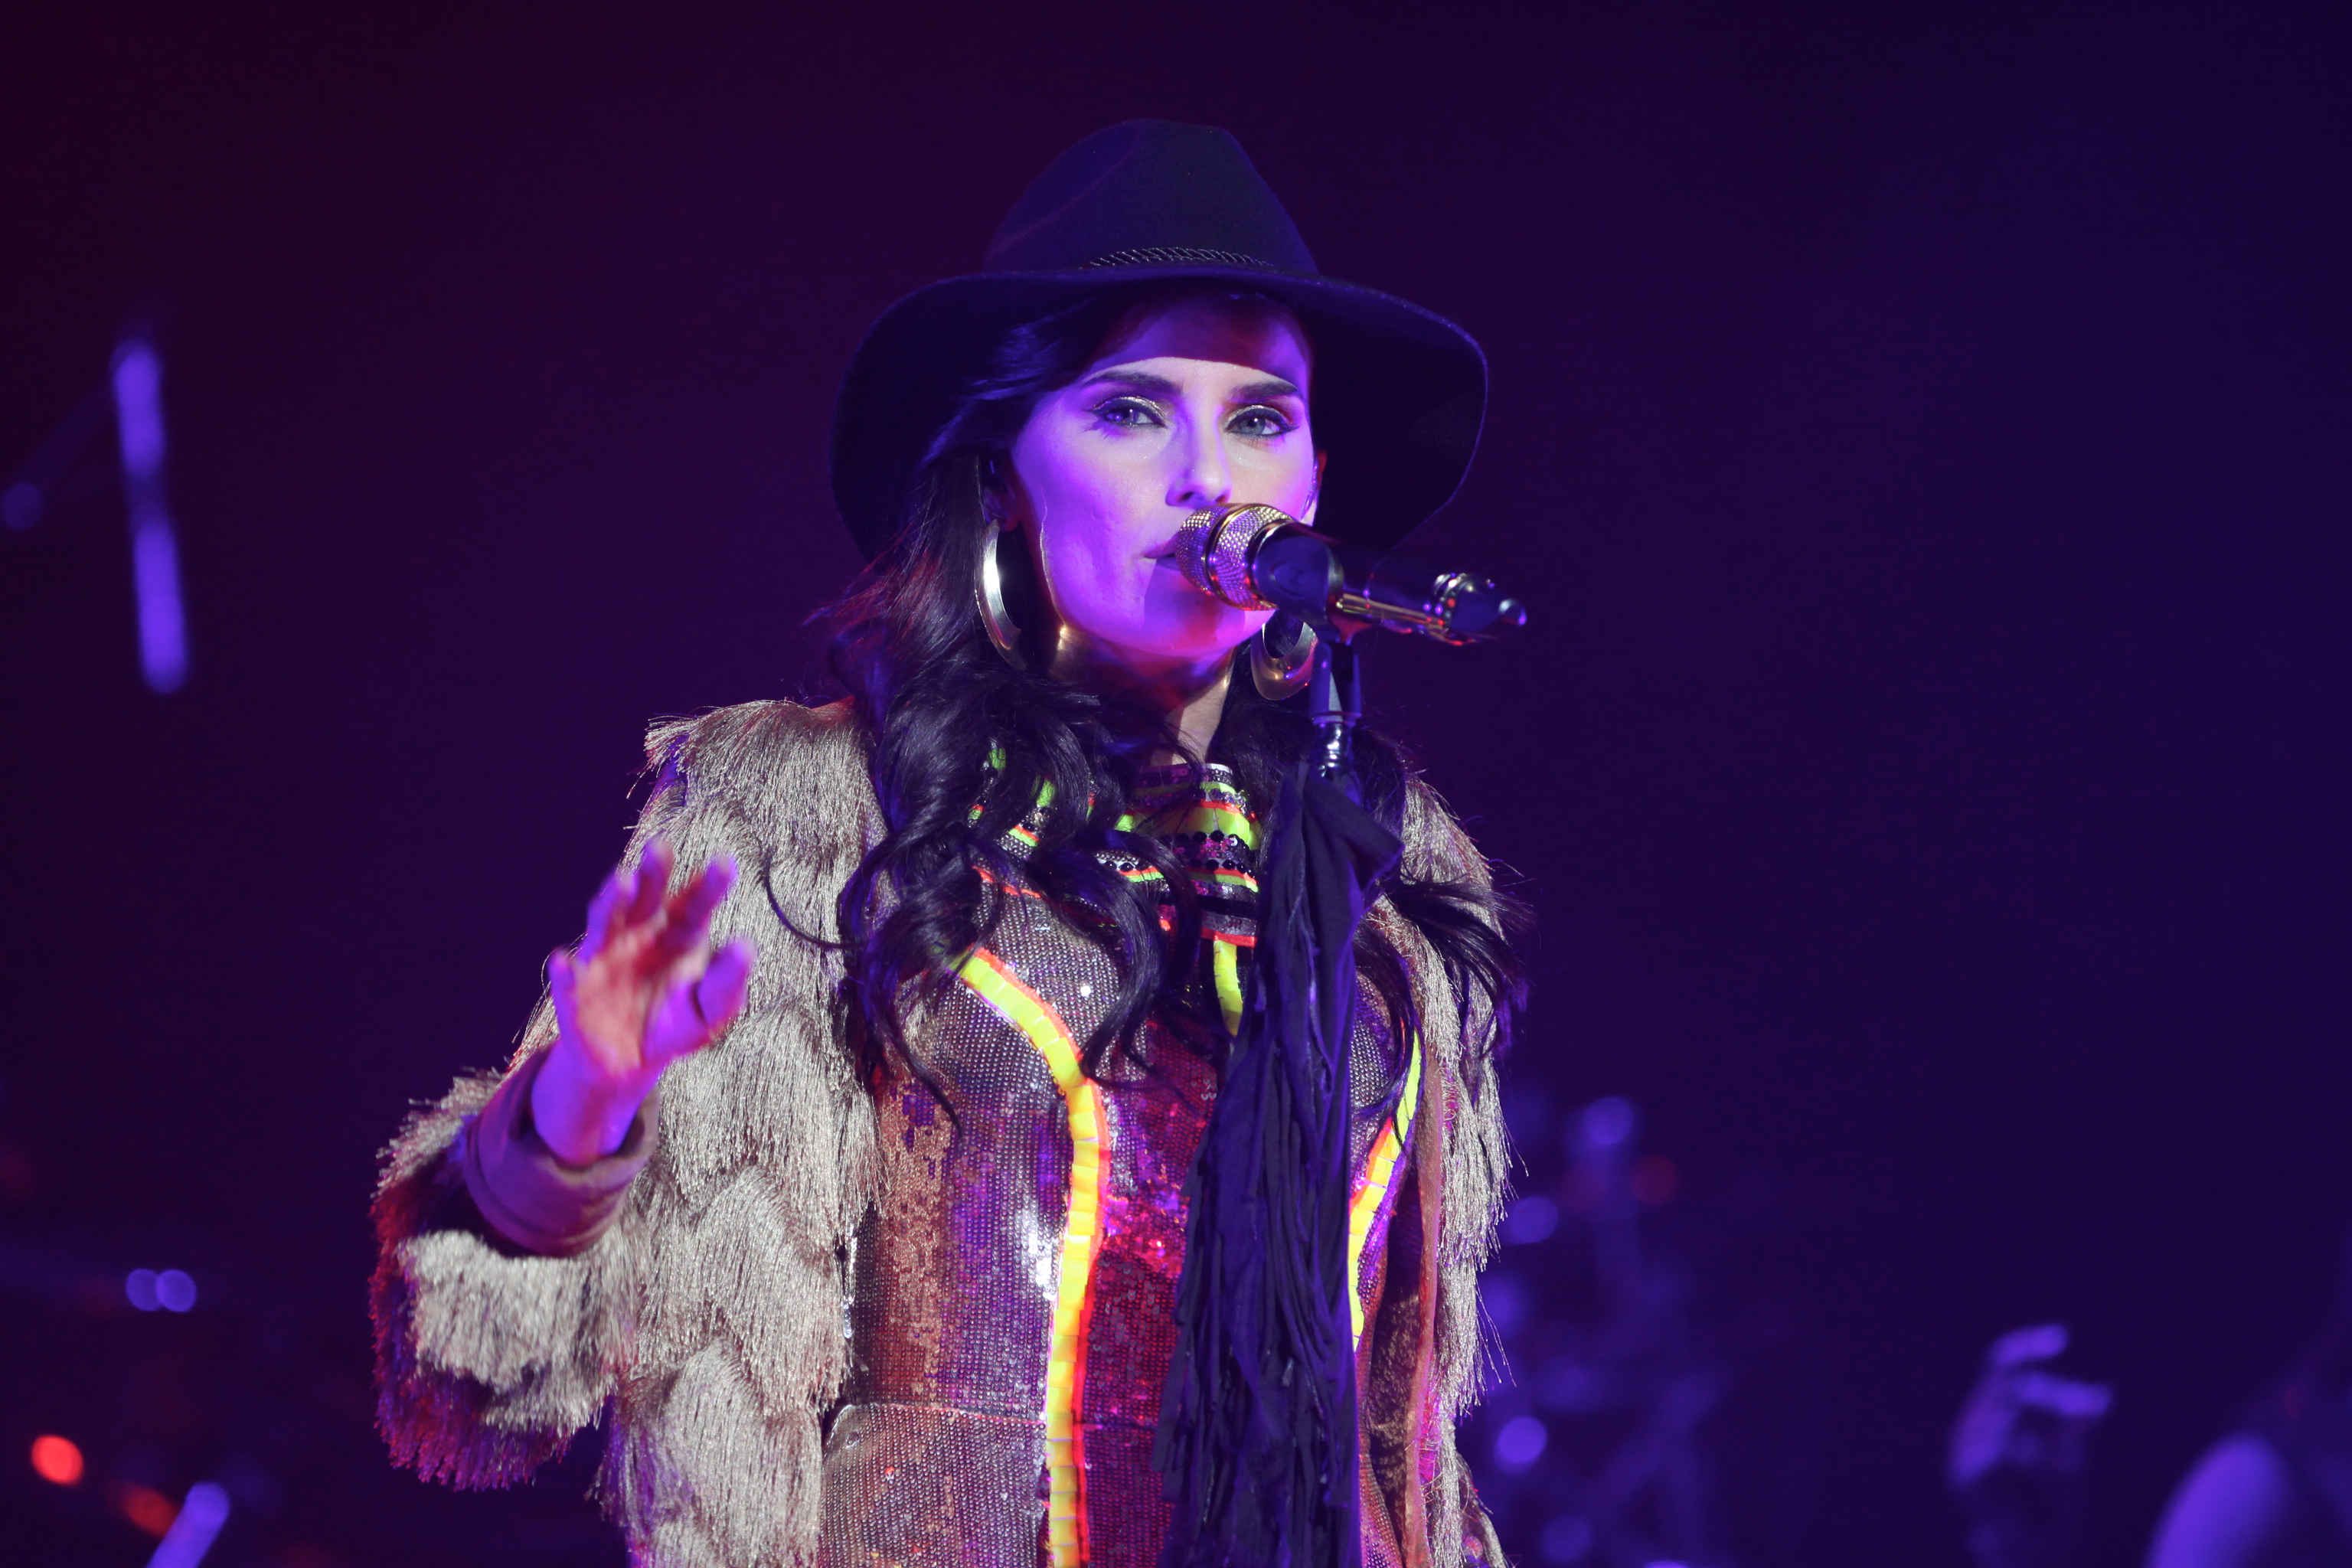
2020,1449
2276,1491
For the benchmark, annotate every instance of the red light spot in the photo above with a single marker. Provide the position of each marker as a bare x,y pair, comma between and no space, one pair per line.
19,1179
1655,1179
57,1459
145,1506
1583,1190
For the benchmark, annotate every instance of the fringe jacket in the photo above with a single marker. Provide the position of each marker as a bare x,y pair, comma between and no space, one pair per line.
704,1323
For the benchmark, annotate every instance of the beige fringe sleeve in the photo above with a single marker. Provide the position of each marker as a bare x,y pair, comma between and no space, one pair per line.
704,1324
1472,1176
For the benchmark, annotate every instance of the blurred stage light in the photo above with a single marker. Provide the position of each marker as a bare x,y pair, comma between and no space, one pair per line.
193,1533
172,1290
21,505
1531,1219
175,1290
1520,1444
1608,1122
1508,1301
145,1506
57,1460
1567,1539
138,1289
155,549
1653,1179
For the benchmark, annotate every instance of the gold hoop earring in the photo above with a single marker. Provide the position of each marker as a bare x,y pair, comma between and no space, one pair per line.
988,592
1282,674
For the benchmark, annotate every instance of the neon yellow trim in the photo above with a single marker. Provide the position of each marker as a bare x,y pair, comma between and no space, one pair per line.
1226,965
1045,795
1372,1188
994,981
1241,827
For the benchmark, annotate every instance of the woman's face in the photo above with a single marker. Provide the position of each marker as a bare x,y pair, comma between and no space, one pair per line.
1201,403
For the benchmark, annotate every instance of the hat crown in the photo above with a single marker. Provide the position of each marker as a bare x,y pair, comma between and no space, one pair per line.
1149,193
1398,392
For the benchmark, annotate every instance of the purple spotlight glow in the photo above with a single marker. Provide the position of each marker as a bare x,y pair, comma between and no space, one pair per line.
163,626
1566,1539
1508,1301
1531,1219
21,505
154,551
138,1289
175,1291
193,1533
1608,1122
1520,1444
138,406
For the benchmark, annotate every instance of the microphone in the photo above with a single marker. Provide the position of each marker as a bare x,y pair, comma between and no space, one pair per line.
1260,558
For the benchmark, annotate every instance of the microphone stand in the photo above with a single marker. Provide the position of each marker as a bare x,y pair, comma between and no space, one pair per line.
1255,557
1335,704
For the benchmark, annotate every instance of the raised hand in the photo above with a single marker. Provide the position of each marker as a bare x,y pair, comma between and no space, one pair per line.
2019,1451
644,990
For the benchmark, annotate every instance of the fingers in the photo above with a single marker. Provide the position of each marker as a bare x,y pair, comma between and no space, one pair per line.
727,983
2021,1347
2064,1396
687,915
600,912
630,897
698,1008
563,988
704,892
652,881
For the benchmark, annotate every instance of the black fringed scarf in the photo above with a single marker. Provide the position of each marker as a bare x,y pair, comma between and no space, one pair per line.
1258,1428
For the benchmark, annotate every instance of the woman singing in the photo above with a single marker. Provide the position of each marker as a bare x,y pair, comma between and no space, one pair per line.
843,1175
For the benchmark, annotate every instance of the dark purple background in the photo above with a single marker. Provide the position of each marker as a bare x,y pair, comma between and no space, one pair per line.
1920,429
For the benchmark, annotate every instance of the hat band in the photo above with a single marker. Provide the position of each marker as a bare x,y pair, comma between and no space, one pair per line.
1176,256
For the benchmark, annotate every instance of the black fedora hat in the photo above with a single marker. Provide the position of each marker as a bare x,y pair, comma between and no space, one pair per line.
1398,392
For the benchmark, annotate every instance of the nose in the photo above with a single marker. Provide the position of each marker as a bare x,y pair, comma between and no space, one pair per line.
1202,476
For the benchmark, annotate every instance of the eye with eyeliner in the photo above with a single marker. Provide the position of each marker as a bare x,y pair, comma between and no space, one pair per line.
1131,411
1274,422
1127,412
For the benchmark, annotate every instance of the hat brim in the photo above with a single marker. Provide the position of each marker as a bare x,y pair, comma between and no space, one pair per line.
1398,396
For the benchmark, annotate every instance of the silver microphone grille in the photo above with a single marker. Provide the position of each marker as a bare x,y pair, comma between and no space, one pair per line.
1213,547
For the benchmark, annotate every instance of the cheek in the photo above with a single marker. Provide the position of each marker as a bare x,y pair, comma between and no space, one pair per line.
1089,511
1091,573
1285,478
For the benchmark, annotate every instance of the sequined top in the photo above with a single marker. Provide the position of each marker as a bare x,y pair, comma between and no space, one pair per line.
691,1304
1012,1311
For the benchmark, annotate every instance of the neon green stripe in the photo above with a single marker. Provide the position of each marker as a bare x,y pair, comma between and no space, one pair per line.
1065,1355
1372,1187
1225,965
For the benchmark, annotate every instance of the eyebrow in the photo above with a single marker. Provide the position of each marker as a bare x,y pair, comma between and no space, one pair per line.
1161,386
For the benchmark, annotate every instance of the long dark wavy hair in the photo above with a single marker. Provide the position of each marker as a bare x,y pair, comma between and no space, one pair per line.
935,700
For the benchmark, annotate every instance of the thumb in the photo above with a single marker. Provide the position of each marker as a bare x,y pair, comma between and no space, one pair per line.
564,990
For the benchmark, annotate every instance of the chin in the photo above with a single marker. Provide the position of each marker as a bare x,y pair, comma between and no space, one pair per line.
1162,644
1211,642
